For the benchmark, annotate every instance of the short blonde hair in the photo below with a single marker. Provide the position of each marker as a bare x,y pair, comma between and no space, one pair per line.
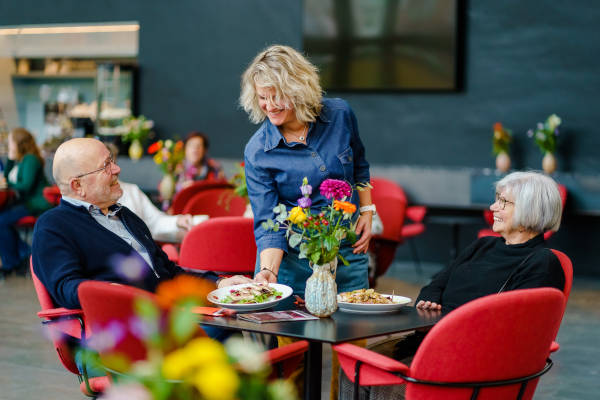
294,78
538,205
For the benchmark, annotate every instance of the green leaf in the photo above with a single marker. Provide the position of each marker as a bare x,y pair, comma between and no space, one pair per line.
330,242
281,217
351,236
146,309
303,250
276,227
265,226
295,239
346,263
183,322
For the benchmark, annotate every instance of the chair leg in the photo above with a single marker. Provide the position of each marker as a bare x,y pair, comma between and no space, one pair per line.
415,256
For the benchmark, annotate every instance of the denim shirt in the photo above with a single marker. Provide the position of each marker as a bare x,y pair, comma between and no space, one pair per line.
275,168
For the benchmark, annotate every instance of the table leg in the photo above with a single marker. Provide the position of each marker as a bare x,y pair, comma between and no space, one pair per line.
313,372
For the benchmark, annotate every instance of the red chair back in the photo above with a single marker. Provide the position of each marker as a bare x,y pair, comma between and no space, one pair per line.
184,195
567,266
221,244
52,194
496,337
104,303
217,202
390,200
386,186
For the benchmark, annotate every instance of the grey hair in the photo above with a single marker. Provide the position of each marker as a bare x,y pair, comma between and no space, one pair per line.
294,78
538,205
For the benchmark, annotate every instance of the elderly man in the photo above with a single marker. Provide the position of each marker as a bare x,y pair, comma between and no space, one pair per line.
89,235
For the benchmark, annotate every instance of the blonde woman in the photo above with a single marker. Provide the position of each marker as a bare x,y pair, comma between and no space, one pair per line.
301,135
24,174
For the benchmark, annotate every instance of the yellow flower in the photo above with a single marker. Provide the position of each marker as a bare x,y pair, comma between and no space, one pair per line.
345,206
217,382
297,215
196,354
158,158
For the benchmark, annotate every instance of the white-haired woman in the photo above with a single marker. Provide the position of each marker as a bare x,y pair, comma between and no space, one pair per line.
302,135
527,204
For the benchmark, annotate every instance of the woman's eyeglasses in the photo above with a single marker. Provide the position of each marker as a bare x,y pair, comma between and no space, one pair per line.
106,168
502,201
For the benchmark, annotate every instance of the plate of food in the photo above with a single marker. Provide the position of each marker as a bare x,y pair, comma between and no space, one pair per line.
249,296
369,301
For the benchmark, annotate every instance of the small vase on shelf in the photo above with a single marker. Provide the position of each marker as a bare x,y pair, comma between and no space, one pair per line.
503,162
136,150
321,290
166,187
549,163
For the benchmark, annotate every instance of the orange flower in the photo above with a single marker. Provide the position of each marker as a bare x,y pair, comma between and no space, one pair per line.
154,147
178,145
345,206
183,287
498,126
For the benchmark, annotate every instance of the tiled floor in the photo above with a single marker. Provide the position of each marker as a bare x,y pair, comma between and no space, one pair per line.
29,368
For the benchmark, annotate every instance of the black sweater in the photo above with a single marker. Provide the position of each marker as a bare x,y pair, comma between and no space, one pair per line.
70,246
484,267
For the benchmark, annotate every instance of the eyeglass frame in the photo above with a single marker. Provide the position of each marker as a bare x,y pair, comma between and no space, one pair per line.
106,167
502,201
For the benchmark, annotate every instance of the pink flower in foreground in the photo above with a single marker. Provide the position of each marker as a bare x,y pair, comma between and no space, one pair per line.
335,188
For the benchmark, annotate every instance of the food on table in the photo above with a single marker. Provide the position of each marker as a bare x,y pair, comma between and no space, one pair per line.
251,294
366,296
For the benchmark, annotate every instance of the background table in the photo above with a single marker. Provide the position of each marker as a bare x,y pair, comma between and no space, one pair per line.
340,327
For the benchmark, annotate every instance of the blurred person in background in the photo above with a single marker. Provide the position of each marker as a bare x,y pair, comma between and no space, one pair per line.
24,175
197,166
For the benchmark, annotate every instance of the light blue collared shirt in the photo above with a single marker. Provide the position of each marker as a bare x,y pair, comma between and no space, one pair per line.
113,223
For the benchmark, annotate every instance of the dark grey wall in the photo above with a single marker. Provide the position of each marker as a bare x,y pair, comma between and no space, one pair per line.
524,61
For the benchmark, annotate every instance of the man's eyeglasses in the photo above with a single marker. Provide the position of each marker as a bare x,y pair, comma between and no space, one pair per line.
106,168
502,201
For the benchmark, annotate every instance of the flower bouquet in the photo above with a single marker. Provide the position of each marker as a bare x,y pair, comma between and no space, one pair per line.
181,363
500,146
545,136
168,155
239,189
319,237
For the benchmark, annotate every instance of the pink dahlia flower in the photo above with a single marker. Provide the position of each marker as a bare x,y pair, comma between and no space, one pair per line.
335,188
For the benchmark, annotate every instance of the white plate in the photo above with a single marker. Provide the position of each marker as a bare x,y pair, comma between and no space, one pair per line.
399,301
215,296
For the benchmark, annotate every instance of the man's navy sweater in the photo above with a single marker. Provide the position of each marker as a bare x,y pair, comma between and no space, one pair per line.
69,247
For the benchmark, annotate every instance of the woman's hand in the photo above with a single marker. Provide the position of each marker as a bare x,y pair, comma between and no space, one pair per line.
428,305
363,228
265,276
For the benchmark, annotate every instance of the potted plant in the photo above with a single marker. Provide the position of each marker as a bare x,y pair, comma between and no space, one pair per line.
137,131
168,155
545,135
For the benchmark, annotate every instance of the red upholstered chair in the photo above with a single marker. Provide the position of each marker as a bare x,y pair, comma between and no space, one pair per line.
414,229
567,267
184,195
62,322
488,215
52,194
494,347
221,244
216,202
104,303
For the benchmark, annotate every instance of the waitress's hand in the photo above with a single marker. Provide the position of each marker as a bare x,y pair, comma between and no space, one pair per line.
363,229
265,276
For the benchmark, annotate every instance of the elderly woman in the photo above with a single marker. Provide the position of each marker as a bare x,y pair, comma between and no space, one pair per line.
303,135
527,204
24,174
197,166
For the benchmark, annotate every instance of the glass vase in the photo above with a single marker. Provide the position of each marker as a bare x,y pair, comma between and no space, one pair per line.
166,187
320,294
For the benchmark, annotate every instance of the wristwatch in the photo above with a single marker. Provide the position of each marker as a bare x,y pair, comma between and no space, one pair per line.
370,207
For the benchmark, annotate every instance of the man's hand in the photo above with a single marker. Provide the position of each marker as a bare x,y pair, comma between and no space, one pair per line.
363,228
428,305
184,221
234,280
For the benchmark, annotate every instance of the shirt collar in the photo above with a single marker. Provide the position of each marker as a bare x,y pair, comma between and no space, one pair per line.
92,209
273,137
